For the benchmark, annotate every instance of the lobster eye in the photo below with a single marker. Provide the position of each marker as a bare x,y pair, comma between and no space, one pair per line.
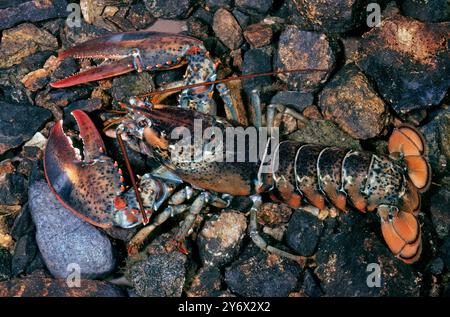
142,123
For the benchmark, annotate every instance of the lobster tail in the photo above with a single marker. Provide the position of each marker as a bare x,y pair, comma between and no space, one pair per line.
409,144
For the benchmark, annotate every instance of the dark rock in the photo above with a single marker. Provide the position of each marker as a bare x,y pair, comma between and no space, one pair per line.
272,214
258,35
39,78
350,101
408,60
5,265
254,7
71,36
22,41
24,253
207,283
162,273
323,132
227,29
332,16
139,17
23,224
427,11
440,213
437,266
221,238
256,61
310,285
444,252
39,285
304,50
13,189
168,9
303,233
15,128
87,105
242,18
53,100
299,101
261,274
437,138
54,26
133,84
66,68
63,238
205,16
31,11
217,4
197,28
343,263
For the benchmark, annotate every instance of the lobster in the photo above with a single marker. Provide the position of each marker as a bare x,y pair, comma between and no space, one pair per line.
93,186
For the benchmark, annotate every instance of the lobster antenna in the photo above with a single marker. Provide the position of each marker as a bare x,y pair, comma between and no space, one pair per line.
224,80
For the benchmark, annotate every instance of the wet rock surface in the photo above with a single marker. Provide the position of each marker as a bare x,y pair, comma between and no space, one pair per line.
440,213
38,285
227,29
64,239
258,35
5,264
350,101
408,60
429,11
260,274
168,9
303,233
15,128
207,283
308,51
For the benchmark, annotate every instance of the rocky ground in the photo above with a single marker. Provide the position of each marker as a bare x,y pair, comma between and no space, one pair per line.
399,69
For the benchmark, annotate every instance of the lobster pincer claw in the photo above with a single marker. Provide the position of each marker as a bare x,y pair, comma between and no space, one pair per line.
140,50
91,187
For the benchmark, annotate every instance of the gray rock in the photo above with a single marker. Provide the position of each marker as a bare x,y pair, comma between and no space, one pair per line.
206,283
168,9
15,128
63,238
254,6
428,11
256,61
5,264
221,238
303,233
260,274
227,29
440,213
295,99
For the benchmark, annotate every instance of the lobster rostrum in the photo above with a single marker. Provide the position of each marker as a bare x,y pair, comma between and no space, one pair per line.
93,186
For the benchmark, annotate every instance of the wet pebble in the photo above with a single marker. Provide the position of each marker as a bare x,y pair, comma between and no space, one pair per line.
227,29
22,41
350,101
332,16
254,7
440,213
260,274
242,18
32,11
161,273
139,17
5,264
444,252
133,84
217,4
303,233
299,101
258,35
310,285
63,238
206,283
221,238
56,99
39,285
428,11
303,50
168,9
15,128
256,61
408,60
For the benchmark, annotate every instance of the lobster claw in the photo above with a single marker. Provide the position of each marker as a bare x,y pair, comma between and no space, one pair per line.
86,187
141,50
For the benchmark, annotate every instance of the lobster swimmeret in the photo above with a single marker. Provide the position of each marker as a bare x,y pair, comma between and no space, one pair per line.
93,187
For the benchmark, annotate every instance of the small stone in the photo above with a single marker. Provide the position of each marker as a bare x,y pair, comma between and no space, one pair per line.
440,213
63,238
227,29
92,9
87,105
272,214
242,18
217,4
256,61
254,7
139,17
350,101
168,9
437,266
162,273
5,265
258,35
332,16
310,285
299,101
304,50
71,36
262,274
427,11
15,128
408,60
24,253
39,285
205,16
39,78
444,252
38,140
13,189
437,138
22,41
207,283
303,233
133,84
198,28
221,238
32,11
323,132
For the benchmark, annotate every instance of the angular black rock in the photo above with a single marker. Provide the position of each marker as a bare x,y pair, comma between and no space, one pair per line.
5,264
303,233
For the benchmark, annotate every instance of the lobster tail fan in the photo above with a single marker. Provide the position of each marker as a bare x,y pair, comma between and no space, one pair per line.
409,143
401,231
